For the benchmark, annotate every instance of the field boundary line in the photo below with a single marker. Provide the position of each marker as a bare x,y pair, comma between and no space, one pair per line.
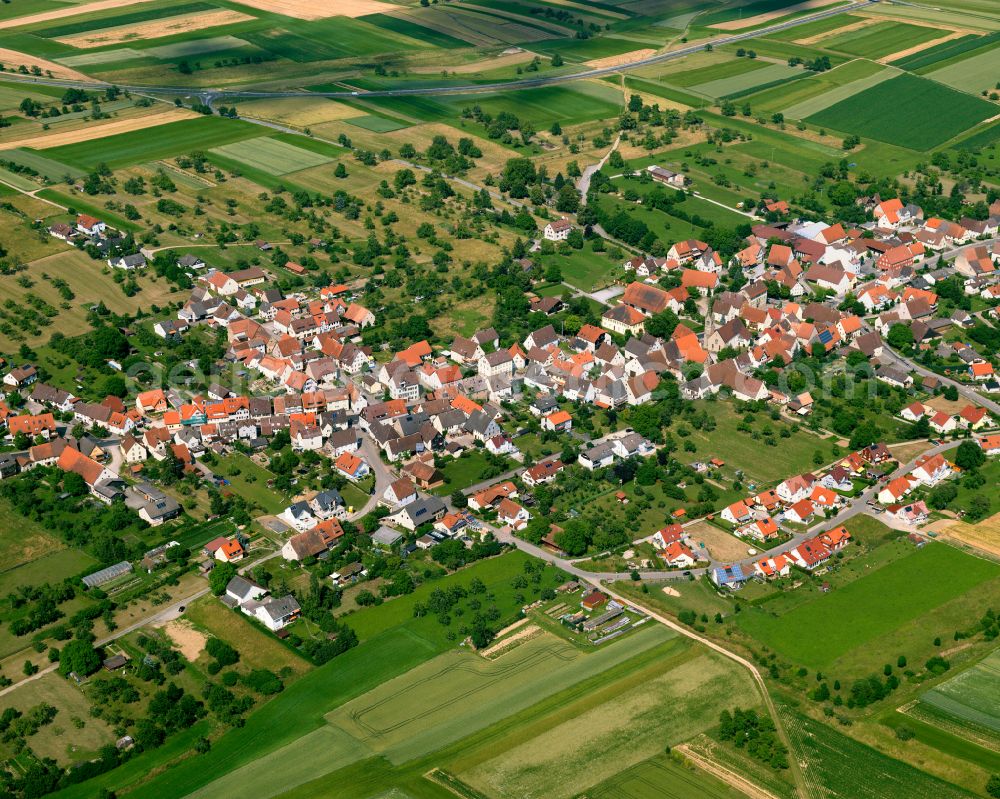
728,776
803,789
452,784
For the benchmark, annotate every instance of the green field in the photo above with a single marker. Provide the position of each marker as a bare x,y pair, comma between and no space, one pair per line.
95,22
251,482
151,144
738,84
568,105
945,51
458,695
871,775
45,166
714,73
972,74
896,112
983,138
376,123
971,695
665,708
813,105
881,39
496,573
663,778
272,156
460,473
820,631
337,37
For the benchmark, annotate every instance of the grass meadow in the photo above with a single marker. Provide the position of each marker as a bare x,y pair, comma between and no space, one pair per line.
896,111
972,74
175,138
272,156
819,632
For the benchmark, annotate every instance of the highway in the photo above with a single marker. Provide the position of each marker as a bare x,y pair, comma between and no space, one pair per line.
210,95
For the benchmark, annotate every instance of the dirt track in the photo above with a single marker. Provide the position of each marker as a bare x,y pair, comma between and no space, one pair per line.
731,778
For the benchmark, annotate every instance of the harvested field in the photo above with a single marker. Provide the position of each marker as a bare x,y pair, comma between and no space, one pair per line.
510,60
92,132
186,638
917,48
297,111
720,544
984,535
69,11
621,60
762,19
13,57
154,29
816,38
310,9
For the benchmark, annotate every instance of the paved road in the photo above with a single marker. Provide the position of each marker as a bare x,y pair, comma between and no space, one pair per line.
383,476
210,94
856,506
172,611
583,184
964,389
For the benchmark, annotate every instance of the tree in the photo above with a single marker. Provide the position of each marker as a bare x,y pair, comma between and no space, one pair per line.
900,337
993,786
74,484
458,499
569,199
79,656
969,456
557,60
574,538
220,576
864,434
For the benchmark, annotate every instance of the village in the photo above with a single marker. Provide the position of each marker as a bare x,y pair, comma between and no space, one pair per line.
389,422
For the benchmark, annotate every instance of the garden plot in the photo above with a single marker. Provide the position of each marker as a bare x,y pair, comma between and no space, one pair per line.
272,156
